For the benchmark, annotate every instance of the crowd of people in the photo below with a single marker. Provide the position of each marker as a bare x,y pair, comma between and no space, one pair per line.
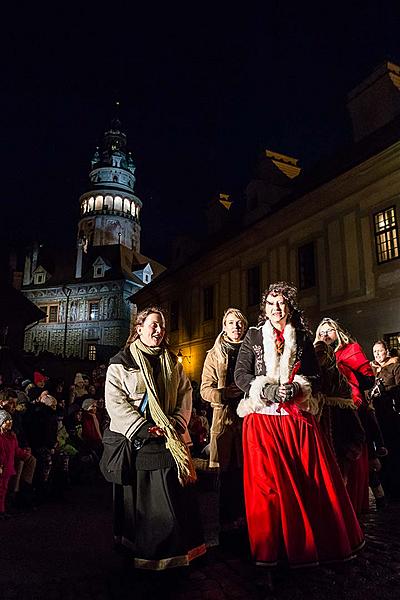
298,428
50,437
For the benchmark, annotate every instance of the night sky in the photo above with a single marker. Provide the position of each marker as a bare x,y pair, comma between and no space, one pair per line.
202,93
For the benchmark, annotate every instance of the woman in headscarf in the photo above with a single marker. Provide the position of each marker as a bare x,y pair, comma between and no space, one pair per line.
149,400
354,365
218,387
297,506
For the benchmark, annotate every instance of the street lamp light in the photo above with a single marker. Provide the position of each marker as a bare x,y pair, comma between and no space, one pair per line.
181,357
67,292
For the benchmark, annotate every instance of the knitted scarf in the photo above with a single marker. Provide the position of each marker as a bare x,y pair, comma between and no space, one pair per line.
178,449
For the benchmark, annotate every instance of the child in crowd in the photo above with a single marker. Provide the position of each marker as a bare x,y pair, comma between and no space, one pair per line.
9,451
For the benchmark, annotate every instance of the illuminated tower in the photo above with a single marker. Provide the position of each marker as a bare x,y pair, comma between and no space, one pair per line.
110,210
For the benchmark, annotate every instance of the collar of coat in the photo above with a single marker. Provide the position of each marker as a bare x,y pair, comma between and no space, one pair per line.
125,358
279,367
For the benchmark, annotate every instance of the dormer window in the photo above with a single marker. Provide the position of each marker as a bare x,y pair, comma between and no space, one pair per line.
99,271
39,278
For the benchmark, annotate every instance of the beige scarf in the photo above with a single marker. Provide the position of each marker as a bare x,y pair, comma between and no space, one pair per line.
174,443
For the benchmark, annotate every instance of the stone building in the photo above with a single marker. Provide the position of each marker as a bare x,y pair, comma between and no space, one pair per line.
85,294
333,232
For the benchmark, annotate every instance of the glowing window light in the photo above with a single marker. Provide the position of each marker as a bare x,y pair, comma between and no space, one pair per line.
91,203
127,207
99,203
108,202
386,235
133,207
118,203
84,206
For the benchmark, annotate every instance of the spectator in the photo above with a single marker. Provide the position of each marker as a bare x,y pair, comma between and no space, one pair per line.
9,451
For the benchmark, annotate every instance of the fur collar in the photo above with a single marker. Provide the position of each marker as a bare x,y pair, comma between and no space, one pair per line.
278,368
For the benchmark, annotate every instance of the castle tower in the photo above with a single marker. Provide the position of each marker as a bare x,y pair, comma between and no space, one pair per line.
110,210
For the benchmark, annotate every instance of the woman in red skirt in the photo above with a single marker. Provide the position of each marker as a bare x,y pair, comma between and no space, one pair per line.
297,506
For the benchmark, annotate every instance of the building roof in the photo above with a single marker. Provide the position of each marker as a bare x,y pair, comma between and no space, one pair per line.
122,263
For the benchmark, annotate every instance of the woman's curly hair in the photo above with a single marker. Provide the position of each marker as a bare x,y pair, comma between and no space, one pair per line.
289,293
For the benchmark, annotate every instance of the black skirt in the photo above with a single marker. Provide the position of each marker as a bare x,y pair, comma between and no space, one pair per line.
157,519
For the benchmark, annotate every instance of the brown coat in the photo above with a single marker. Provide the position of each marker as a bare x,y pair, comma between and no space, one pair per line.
226,427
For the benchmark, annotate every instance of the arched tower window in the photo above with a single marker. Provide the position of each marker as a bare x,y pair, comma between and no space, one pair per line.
118,203
133,209
91,203
108,202
127,207
99,203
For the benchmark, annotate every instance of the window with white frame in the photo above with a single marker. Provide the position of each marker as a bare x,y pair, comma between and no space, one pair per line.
386,235
94,311
53,313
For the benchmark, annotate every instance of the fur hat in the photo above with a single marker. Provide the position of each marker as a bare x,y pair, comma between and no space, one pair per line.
4,416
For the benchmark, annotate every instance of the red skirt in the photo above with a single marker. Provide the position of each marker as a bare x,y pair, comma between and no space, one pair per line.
297,506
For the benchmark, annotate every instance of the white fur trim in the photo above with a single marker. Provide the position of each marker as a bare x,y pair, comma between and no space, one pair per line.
278,368
253,403
307,401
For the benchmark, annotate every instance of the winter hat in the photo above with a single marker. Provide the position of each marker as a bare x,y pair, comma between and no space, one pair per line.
39,378
88,403
25,383
4,416
78,378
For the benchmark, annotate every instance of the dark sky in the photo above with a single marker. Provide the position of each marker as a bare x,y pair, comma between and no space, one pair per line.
201,92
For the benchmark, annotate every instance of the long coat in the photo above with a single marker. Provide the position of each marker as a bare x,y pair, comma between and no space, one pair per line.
225,419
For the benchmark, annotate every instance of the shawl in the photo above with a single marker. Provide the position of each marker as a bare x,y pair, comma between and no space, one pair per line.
159,407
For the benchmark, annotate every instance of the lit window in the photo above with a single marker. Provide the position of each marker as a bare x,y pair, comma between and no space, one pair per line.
84,206
118,203
91,203
393,341
133,209
92,352
99,203
108,202
386,236
93,311
127,205
53,313
306,266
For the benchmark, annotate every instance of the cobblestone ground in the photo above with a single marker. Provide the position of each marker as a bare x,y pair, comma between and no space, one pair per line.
64,551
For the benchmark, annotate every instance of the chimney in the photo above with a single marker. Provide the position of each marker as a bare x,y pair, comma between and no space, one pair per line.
376,101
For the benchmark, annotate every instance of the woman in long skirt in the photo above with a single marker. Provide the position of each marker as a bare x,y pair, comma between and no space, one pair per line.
297,507
149,400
